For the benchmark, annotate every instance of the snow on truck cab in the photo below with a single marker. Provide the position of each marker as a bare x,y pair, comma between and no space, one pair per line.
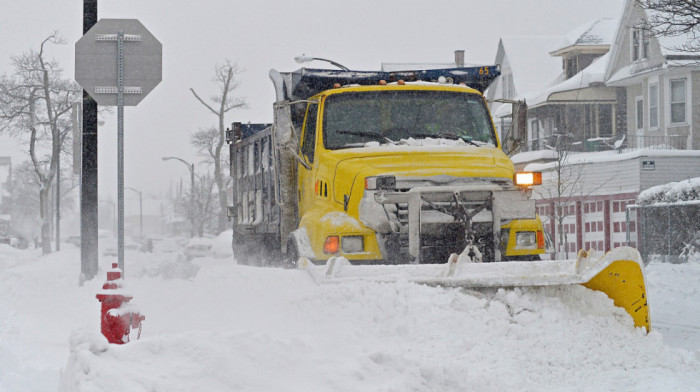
400,168
381,168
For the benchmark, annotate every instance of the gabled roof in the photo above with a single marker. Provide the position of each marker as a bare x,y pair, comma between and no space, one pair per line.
668,46
529,61
595,34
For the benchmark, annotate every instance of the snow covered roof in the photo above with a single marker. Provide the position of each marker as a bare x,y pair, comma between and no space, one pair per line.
599,32
533,156
613,156
591,76
670,45
529,61
624,73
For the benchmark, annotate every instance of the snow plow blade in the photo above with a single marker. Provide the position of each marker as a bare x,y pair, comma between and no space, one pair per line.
618,274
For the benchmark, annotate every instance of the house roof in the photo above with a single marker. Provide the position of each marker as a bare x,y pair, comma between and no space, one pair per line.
668,45
529,61
597,33
591,76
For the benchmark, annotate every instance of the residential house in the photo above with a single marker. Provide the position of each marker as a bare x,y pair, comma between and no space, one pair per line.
622,89
660,84
578,111
526,66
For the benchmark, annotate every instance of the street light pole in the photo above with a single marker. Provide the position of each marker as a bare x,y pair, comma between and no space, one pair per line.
140,211
190,166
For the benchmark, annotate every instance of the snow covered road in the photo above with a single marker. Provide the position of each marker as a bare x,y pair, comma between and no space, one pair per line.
216,326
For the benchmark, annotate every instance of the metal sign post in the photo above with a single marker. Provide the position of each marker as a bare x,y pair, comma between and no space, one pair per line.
95,71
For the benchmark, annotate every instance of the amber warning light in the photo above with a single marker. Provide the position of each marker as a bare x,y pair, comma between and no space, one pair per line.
527,178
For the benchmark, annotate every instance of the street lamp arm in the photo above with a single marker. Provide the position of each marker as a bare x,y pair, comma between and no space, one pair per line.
190,166
305,59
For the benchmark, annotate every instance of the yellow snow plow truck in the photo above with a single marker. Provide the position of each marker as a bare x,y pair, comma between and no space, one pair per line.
399,175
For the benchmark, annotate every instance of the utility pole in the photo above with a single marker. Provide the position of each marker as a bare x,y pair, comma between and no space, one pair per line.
88,177
190,166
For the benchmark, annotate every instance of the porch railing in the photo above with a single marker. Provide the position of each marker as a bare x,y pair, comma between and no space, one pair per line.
620,143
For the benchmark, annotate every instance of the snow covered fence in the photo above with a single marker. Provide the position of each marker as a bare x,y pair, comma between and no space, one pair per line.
669,218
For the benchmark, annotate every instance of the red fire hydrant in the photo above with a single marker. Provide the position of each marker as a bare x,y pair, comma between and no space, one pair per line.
118,315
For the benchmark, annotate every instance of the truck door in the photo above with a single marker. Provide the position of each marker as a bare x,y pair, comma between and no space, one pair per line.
305,187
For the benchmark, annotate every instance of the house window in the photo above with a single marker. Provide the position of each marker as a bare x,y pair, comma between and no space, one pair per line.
677,101
654,106
535,129
640,113
640,44
635,44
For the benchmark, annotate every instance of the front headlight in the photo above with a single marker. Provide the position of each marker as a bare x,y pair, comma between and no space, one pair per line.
526,239
352,244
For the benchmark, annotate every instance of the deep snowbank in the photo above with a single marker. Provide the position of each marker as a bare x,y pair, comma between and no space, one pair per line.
216,326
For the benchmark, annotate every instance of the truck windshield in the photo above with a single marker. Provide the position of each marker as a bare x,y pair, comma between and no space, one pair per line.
353,119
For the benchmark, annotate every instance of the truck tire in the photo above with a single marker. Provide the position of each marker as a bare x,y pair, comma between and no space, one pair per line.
292,255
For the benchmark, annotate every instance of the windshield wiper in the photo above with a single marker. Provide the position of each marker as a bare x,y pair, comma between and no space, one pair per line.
374,135
449,136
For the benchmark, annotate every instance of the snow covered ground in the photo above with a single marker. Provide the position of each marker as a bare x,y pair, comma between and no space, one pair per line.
212,325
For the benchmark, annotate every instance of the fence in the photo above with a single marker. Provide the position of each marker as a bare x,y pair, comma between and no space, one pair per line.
665,230
622,143
670,142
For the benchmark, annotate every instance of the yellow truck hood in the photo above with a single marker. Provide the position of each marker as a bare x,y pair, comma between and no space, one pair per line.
415,162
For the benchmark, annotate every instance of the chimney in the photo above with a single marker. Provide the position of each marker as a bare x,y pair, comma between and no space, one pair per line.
459,58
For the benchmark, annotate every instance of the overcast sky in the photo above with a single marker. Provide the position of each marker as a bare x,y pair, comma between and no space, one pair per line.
259,35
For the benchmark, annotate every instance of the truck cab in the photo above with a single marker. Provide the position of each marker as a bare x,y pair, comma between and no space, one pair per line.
359,143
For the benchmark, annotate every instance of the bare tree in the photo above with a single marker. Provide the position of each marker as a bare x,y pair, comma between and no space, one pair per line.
562,188
226,79
205,141
23,202
670,18
565,185
203,201
35,105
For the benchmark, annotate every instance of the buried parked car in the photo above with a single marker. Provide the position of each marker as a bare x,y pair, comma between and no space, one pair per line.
110,248
199,247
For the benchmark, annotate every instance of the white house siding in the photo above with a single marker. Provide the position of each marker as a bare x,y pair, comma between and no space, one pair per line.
667,169
695,110
609,178
633,92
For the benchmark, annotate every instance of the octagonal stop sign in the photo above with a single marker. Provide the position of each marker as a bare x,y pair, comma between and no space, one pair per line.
96,61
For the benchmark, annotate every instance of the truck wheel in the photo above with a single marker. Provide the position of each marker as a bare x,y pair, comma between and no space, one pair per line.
292,255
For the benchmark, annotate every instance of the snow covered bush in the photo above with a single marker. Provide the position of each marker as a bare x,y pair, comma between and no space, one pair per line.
672,192
691,250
